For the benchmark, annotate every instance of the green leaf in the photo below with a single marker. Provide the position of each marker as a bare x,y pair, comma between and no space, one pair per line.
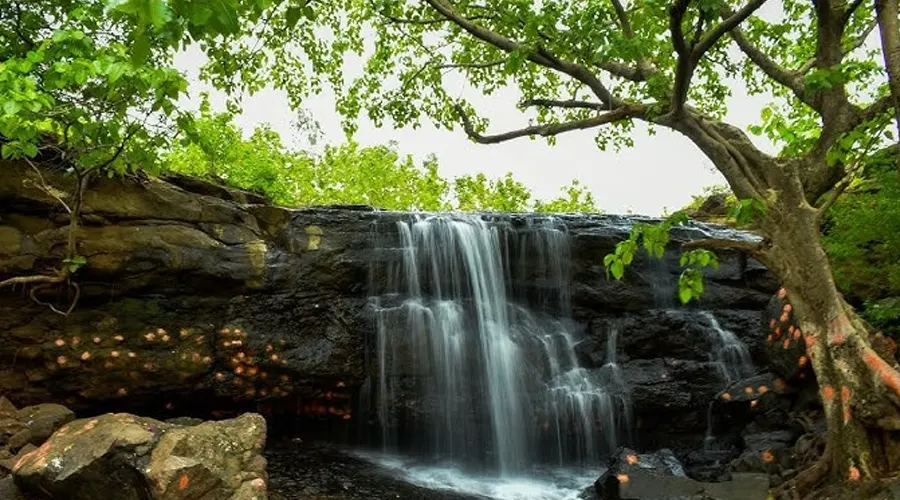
618,269
685,295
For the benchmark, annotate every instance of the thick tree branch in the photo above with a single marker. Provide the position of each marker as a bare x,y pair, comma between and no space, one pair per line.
690,56
851,9
481,65
547,130
643,69
773,70
541,57
886,13
857,42
625,71
753,248
731,22
622,16
570,104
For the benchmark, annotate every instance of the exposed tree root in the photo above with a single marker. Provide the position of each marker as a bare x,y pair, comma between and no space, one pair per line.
62,275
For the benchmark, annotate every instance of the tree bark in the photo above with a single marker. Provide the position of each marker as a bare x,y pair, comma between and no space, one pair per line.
859,389
886,13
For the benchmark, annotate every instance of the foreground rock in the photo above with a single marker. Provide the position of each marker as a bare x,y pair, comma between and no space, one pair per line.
21,430
659,476
126,457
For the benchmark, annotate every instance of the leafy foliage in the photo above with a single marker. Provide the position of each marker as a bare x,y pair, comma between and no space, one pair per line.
91,83
654,238
862,238
347,174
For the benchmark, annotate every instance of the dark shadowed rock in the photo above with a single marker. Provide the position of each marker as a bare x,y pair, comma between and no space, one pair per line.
785,344
660,476
43,420
126,457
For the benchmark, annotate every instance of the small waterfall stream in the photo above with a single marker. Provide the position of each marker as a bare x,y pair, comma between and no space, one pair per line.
476,349
732,360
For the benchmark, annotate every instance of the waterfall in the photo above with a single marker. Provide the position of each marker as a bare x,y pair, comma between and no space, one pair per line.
475,348
731,358
730,355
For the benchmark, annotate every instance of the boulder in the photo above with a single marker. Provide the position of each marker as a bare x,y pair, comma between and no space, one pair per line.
127,457
785,346
660,476
43,420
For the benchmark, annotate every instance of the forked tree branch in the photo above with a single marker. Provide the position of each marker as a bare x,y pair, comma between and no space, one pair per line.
546,130
689,56
541,56
786,78
569,104
858,42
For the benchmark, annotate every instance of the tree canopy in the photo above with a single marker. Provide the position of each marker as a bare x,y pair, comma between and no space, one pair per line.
348,174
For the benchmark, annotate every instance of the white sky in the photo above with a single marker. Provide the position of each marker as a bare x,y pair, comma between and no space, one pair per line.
659,172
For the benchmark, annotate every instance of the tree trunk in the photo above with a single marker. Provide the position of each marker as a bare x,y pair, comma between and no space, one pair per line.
858,388
886,13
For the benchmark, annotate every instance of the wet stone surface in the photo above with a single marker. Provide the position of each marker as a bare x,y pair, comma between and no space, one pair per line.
307,471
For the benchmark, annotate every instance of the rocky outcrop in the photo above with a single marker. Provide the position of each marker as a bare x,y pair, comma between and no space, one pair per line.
652,476
127,457
197,298
21,430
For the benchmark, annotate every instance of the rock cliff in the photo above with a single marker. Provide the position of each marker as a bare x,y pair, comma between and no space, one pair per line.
199,299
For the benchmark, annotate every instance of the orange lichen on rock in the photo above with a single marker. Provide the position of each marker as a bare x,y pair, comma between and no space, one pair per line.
631,458
787,343
60,342
622,478
802,361
183,482
782,293
754,403
778,332
767,456
119,338
97,340
769,339
748,390
854,473
85,356
61,360
763,389
726,396
784,317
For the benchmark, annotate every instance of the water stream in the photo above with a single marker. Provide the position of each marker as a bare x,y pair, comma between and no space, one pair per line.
476,350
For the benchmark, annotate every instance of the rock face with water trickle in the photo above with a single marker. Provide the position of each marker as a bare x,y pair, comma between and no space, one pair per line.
197,298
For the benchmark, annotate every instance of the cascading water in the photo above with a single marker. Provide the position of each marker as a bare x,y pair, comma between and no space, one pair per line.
476,353
730,355
731,358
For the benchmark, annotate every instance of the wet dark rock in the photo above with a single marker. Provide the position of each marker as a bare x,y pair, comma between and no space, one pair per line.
200,300
301,471
785,344
660,476
43,420
9,490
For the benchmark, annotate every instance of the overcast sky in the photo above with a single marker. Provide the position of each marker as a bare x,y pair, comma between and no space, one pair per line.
659,172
